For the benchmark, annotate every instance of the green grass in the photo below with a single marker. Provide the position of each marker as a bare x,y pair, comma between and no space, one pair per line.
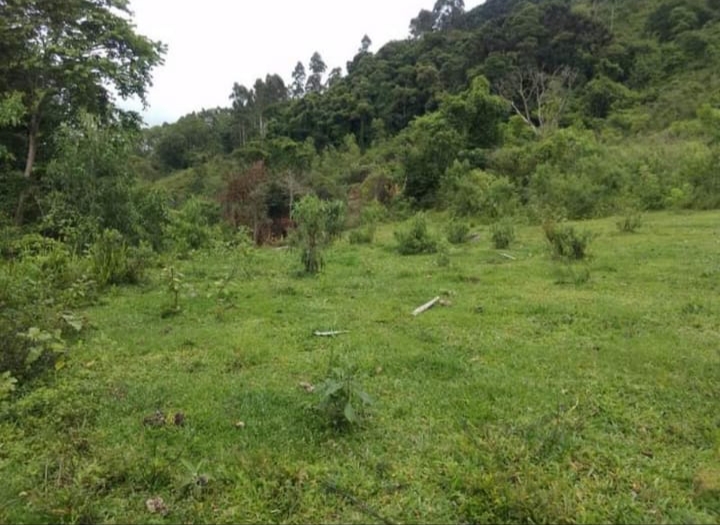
527,399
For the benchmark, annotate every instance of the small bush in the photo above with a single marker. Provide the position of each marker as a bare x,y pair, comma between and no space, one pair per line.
457,232
566,242
502,233
319,223
113,262
416,239
630,222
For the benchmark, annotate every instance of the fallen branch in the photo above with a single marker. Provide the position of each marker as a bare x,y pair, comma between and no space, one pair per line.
508,256
332,333
426,306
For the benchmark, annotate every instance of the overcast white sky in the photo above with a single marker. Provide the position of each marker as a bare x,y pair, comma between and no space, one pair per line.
214,43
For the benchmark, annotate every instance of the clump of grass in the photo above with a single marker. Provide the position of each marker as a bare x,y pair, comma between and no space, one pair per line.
630,222
457,232
566,273
502,233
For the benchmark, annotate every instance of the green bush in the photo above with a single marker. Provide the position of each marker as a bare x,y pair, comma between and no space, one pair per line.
190,226
318,224
415,239
457,232
502,233
565,242
112,261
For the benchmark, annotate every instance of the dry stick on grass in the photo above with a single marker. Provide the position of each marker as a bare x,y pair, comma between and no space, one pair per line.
508,256
331,333
426,306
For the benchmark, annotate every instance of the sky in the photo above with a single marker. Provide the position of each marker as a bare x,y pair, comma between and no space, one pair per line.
214,43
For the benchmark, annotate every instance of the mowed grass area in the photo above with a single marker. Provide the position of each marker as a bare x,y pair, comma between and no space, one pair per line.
532,397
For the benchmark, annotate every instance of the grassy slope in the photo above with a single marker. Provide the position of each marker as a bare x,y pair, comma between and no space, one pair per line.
525,400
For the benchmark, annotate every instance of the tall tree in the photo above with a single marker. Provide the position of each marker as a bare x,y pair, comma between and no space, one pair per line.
242,101
317,68
422,23
297,88
446,13
69,56
365,44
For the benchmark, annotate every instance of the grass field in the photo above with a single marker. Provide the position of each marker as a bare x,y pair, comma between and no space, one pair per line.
534,395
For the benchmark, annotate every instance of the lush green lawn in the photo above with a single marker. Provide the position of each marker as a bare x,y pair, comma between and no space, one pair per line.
523,400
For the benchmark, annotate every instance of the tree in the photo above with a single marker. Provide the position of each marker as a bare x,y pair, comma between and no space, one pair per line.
73,55
318,224
422,23
317,68
365,45
297,88
446,13
334,76
66,58
242,102
539,98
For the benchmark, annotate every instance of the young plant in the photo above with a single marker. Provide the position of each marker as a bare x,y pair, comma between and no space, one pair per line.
318,224
341,398
196,480
173,285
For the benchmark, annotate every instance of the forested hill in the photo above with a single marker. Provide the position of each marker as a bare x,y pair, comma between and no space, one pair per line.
572,107
471,87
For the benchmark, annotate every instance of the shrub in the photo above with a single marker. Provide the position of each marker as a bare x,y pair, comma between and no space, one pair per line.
565,241
190,226
113,262
502,233
415,239
457,232
318,224
478,193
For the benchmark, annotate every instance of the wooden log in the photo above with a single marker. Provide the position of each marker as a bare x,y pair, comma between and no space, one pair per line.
426,306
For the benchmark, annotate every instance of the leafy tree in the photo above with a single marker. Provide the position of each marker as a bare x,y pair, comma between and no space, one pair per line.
70,55
297,88
318,224
317,68
447,13
365,44
423,23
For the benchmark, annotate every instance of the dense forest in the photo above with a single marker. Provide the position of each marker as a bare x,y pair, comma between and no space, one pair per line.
517,108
